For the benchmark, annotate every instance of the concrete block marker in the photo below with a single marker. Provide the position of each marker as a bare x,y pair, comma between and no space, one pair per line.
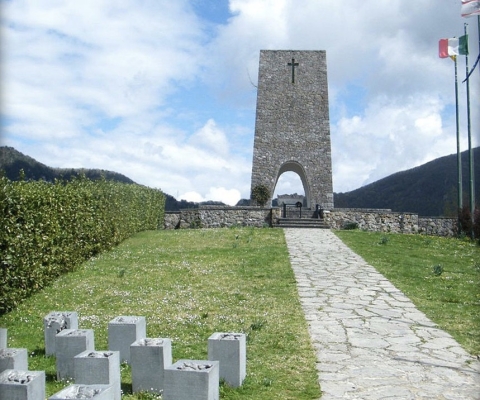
69,343
22,385
99,367
123,331
3,338
230,349
13,359
55,322
149,357
192,379
95,392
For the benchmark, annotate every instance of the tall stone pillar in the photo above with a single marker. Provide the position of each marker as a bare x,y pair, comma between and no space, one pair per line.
292,127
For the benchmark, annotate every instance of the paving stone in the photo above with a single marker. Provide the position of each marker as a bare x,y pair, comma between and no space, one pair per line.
370,340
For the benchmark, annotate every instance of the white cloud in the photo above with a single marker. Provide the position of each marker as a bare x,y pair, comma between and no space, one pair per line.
192,196
97,58
377,144
159,92
289,183
210,137
388,50
227,196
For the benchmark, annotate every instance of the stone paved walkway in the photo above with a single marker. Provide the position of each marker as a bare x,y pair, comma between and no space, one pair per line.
370,340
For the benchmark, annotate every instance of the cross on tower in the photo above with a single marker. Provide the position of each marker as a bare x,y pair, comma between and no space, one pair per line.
293,64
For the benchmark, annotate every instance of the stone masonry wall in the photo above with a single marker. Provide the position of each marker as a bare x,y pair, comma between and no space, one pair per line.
438,226
171,220
387,221
219,217
373,220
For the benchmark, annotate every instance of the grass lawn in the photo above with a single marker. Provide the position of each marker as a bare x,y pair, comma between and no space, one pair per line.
188,284
440,275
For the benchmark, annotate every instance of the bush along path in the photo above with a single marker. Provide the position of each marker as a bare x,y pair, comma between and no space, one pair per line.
50,229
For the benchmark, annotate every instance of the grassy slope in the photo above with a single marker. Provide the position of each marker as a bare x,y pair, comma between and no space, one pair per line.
192,283
451,299
188,284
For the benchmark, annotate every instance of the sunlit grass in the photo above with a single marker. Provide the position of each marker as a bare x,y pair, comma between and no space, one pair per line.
440,275
188,284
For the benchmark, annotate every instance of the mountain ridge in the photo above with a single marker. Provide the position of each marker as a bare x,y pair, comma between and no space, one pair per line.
12,162
428,190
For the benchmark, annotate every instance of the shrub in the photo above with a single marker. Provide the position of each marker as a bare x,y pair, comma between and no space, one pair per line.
383,240
48,229
196,223
466,224
350,226
437,270
476,223
261,194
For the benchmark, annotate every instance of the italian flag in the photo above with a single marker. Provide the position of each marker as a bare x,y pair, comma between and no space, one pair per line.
470,8
453,47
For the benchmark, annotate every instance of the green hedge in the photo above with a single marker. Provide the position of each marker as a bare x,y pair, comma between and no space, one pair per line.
49,229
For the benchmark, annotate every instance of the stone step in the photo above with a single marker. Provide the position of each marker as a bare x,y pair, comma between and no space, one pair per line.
301,223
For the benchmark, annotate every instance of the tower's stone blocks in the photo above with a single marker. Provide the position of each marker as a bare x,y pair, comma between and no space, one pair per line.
292,127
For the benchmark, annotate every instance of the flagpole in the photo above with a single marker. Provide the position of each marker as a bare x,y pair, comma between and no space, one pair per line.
478,29
459,154
469,130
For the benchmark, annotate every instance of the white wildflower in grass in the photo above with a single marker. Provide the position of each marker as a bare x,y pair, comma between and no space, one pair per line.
90,320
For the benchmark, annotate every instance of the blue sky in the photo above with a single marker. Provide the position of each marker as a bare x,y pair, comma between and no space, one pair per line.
164,91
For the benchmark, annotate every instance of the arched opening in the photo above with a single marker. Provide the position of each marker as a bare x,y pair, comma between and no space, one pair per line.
291,182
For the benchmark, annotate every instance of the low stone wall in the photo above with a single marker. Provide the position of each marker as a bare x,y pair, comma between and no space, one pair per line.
375,220
438,226
372,220
171,220
219,217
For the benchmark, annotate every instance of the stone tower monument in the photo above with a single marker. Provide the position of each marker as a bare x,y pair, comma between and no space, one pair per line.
292,128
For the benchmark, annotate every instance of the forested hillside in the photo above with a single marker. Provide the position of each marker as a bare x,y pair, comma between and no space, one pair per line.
12,162
429,190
